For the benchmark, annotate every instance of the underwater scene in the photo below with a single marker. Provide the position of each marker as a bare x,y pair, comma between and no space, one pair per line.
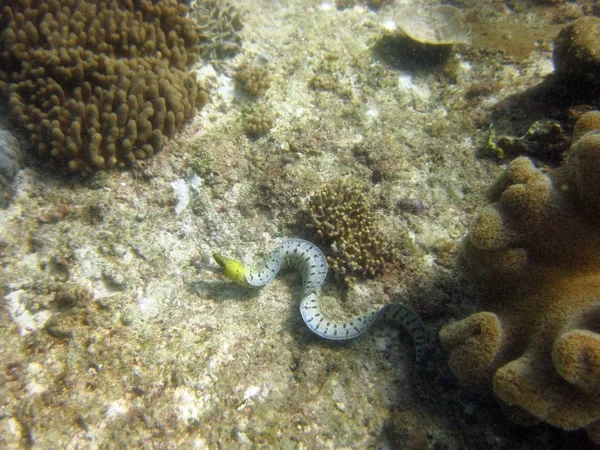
300,224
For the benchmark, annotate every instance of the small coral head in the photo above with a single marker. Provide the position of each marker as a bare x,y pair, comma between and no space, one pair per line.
232,269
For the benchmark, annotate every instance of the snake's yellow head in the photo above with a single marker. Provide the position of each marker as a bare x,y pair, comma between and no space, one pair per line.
232,269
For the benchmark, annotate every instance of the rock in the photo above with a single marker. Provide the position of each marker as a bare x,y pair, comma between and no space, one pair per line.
11,161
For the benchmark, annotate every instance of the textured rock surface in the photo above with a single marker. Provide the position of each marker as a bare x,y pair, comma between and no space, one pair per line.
110,338
11,161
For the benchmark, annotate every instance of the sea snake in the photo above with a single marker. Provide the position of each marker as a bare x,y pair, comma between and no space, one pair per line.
308,259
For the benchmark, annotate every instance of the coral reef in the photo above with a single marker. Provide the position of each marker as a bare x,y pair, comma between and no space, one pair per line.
163,356
98,84
345,222
218,26
589,121
254,80
258,121
534,252
11,161
576,57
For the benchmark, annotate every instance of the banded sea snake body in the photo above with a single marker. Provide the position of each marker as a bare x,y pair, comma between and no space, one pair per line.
308,259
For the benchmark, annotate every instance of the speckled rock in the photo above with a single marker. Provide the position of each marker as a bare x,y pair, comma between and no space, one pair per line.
11,161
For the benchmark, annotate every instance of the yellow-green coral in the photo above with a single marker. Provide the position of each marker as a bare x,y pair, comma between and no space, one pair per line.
98,84
534,253
345,221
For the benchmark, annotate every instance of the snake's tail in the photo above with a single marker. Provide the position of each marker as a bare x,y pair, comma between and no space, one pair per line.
328,329
340,331
411,322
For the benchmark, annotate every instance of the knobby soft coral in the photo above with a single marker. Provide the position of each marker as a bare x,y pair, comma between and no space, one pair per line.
534,252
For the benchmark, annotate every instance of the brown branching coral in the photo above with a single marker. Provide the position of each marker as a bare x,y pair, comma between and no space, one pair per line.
258,121
534,251
98,84
253,79
344,220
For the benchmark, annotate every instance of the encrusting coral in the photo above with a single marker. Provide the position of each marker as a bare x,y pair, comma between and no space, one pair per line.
98,84
534,252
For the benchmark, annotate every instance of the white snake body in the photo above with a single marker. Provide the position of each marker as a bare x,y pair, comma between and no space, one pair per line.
308,259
